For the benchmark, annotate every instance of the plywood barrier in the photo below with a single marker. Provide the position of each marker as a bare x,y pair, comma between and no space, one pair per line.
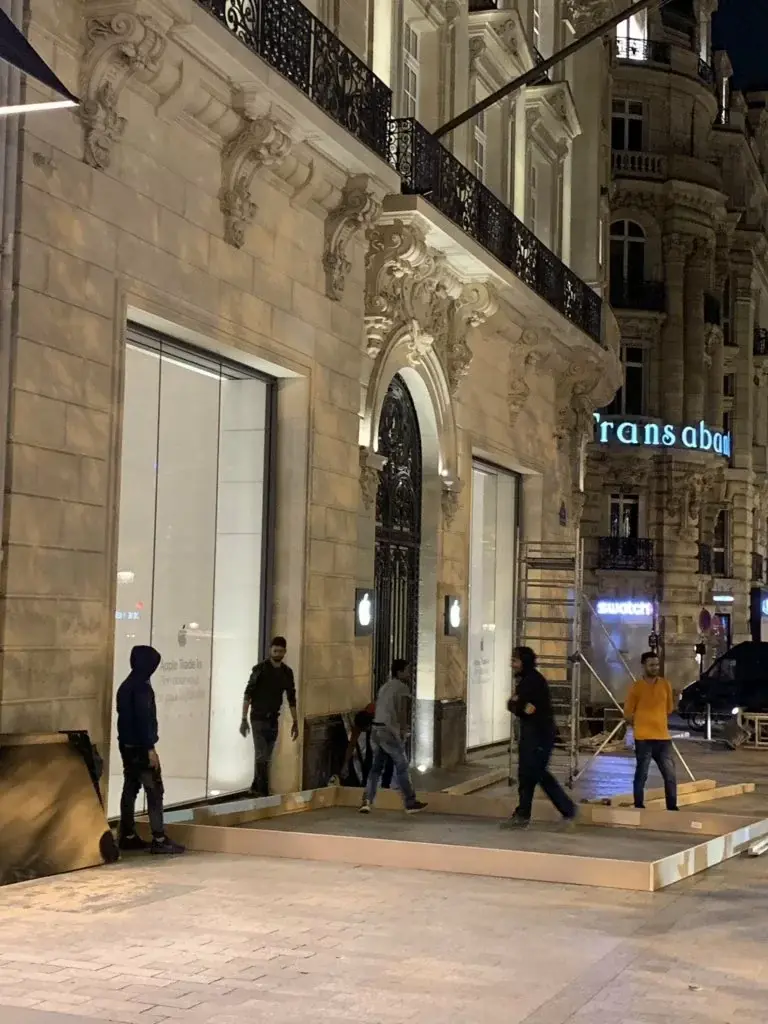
704,796
51,816
627,799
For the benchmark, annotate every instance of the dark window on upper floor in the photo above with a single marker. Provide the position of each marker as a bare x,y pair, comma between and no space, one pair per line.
627,252
729,385
627,124
625,515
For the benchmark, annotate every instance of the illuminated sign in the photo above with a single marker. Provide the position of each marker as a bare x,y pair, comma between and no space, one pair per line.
364,610
764,606
453,615
662,435
627,609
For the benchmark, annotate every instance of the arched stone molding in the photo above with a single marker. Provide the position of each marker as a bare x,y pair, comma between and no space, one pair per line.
417,362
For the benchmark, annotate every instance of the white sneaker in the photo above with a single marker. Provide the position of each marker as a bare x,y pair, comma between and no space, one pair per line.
365,807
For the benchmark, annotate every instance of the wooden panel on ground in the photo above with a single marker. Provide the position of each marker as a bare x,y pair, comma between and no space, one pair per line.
51,816
627,799
484,781
720,793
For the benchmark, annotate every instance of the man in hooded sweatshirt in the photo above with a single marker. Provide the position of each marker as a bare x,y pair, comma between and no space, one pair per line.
137,737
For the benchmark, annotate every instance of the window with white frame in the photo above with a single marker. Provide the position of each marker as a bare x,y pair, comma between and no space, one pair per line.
721,545
627,125
479,146
627,255
411,71
629,400
536,24
632,38
625,516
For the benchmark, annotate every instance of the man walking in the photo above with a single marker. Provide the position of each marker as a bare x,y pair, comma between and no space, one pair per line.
390,725
269,682
532,705
137,735
649,704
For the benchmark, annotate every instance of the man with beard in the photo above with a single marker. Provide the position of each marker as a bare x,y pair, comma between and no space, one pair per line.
270,681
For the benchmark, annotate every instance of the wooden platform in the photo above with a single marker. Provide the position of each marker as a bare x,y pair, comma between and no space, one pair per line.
612,847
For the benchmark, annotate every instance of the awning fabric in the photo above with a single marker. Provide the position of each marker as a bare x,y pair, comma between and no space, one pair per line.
17,51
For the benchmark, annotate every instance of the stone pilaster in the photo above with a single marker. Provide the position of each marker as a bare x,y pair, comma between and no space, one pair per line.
698,273
743,328
672,334
715,363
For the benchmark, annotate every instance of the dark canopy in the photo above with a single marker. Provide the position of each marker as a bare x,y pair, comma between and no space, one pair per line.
15,49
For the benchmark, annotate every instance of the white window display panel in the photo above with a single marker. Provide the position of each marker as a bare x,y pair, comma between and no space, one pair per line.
491,605
190,561
136,531
237,601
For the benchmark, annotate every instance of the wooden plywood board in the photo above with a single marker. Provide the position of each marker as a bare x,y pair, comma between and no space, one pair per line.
491,778
704,796
627,799
706,855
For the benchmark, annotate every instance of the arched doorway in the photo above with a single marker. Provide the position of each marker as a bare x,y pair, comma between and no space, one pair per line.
398,533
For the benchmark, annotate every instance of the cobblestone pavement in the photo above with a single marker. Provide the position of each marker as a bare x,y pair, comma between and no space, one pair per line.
236,940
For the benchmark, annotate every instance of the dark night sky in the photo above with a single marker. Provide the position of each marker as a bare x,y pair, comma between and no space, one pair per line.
741,28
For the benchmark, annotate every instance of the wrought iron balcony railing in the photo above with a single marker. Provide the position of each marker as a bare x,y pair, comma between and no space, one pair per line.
427,169
758,567
712,309
705,559
760,342
631,163
300,47
706,73
642,50
647,295
626,554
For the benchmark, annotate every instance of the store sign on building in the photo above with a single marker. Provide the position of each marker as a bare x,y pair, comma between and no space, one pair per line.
625,609
661,435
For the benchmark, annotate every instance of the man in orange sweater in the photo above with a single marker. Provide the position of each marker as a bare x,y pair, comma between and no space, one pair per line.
647,709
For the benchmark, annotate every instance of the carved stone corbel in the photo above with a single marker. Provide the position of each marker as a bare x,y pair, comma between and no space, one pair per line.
119,47
259,143
371,465
476,304
358,210
450,502
524,356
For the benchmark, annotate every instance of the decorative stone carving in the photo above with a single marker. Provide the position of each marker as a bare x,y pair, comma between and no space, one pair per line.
713,339
676,247
578,498
358,209
477,48
627,475
509,32
524,357
371,465
259,143
450,503
411,288
685,497
119,47
702,251
586,15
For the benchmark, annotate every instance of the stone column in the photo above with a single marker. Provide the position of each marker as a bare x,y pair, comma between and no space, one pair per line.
521,157
715,359
698,274
672,334
743,405
567,213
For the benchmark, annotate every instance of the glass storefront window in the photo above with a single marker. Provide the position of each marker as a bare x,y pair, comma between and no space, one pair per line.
493,572
191,556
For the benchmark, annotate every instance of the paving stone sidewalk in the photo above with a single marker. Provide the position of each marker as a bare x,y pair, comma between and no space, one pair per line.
236,940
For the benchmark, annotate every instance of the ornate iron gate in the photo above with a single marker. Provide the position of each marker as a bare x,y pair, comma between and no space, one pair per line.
398,534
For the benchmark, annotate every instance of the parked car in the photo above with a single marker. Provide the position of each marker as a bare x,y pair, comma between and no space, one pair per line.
737,681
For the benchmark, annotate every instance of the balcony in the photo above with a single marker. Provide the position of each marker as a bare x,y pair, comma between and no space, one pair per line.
760,342
648,295
758,567
629,163
626,554
427,169
645,51
712,310
705,559
300,47
706,73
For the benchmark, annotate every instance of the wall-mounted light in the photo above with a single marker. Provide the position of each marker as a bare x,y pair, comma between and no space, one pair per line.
723,598
453,615
365,606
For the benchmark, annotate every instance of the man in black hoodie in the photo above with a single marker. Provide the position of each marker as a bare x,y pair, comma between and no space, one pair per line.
532,704
137,736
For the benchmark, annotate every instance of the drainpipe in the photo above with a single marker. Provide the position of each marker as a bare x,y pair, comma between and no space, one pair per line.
10,131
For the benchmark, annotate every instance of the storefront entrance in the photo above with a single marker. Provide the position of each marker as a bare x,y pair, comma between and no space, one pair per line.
493,572
398,534
192,555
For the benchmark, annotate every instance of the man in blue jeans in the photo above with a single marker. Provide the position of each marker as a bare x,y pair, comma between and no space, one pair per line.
390,723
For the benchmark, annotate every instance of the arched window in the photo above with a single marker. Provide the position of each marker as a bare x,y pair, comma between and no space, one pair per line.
627,261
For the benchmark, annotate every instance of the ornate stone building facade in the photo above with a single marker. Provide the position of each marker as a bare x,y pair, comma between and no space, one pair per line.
681,522
265,330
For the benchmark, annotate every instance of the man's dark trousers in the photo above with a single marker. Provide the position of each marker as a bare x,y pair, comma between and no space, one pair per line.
662,752
138,774
264,731
533,771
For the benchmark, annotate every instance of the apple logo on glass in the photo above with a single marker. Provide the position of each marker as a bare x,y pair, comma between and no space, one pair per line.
454,616
364,611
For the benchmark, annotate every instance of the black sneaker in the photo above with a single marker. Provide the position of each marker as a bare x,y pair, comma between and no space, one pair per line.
365,807
415,807
166,846
515,822
133,842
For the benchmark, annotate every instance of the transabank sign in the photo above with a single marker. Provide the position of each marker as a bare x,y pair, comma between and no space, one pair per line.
661,435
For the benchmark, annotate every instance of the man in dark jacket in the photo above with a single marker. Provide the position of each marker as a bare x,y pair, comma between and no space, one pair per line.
270,681
532,705
137,737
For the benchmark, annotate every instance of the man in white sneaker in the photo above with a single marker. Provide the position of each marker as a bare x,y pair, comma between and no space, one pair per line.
390,724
